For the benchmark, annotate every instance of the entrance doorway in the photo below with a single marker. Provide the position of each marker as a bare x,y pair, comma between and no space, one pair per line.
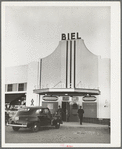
66,111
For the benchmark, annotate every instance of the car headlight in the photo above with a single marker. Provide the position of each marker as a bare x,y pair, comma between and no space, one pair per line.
10,120
16,118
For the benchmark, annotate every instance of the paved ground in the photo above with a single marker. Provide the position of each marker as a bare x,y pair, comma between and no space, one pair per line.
63,135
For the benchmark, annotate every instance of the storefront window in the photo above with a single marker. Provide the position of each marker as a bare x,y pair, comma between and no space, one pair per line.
21,87
9,87
15,87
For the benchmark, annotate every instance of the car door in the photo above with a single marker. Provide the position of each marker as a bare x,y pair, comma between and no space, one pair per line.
42,116
47,116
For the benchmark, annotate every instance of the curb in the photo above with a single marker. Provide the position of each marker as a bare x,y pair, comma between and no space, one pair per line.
85,126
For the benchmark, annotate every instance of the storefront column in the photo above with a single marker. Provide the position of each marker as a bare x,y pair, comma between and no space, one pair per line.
40,100
80,101
60,101
68,109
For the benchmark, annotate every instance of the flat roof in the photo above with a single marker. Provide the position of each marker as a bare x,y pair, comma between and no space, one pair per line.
66,91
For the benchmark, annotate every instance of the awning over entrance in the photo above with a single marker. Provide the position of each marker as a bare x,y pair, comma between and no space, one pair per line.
13,97
67,91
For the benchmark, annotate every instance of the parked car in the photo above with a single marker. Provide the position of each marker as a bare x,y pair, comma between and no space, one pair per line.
34,118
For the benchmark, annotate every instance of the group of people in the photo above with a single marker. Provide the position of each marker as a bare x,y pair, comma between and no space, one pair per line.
80,113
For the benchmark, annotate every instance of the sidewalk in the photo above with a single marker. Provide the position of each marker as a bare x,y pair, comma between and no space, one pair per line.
77,124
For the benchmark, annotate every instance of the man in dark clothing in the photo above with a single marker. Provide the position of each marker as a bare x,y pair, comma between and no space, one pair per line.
60,112
80,114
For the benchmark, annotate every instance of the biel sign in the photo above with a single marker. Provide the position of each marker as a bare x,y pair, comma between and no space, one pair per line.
70,36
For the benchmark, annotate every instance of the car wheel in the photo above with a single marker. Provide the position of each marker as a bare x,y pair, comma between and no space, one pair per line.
16,128
57,126
35,127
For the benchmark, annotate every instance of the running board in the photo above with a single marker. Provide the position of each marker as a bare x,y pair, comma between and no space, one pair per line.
14,125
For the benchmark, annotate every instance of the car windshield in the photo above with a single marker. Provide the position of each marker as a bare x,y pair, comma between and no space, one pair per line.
26,111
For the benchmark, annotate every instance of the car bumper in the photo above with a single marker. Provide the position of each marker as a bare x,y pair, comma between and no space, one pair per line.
16,125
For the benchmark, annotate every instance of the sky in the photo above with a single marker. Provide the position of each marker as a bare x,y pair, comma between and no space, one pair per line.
33,32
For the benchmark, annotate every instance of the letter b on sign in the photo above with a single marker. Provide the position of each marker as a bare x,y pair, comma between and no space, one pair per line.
63,37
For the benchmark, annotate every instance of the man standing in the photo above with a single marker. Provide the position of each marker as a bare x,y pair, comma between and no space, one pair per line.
80,114
60,112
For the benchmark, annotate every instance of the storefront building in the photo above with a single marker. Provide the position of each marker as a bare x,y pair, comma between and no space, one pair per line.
71,76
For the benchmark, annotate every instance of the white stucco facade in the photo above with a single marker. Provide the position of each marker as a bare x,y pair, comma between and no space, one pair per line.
16,74
62,69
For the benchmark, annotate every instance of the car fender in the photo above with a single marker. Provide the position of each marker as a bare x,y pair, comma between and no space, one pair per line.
32,120
55,121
